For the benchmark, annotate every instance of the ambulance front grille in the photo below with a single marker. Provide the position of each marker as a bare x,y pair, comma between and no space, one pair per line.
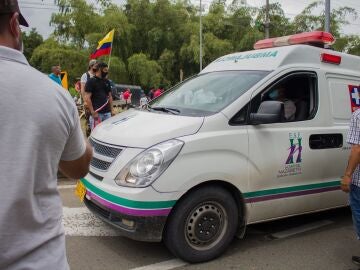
104,155
100,164
105,150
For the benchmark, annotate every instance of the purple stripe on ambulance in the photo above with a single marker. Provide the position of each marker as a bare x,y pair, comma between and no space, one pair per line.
290,194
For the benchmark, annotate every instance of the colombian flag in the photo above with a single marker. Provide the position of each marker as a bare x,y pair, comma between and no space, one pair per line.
104,45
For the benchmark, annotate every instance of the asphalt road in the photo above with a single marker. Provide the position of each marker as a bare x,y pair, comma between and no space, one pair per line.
318,241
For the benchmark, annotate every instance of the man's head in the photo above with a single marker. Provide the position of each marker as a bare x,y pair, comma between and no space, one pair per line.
56,70
92,63
278,94
282,92
101,70
10,21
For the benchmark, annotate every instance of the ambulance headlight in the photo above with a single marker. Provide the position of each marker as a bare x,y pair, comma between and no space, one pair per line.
146,167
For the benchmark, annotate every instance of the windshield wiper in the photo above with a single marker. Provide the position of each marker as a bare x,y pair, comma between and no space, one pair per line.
166,109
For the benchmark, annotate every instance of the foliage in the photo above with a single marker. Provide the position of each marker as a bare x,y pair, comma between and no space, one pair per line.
50,53
279,24
75,20
167,62
31,40
156,40
308,21
73,92
144,71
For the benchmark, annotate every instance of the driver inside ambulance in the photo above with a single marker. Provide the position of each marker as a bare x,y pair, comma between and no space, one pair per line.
280,94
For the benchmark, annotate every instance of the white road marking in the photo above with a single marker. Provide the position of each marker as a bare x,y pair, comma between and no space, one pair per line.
80,222
301,229
66,186
166,265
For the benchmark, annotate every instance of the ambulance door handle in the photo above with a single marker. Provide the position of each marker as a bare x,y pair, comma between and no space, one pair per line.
326,141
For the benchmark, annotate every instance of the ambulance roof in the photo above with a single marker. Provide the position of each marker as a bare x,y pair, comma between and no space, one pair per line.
293,55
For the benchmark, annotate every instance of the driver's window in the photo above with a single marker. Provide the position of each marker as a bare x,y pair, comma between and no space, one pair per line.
298,94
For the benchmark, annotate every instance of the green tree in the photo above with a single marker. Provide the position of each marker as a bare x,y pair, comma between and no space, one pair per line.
216,21
117,71
190,56
215,47
75,19
139,14
279,24
354,46
167,62
50,53
31,40
241,22
307,20
249,39
144,71
154,40
115,18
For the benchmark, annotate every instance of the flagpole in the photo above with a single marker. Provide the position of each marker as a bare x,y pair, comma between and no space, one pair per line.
111,50
110,56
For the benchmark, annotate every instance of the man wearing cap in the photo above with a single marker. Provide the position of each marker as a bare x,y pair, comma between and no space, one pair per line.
33,146
84,78
87,75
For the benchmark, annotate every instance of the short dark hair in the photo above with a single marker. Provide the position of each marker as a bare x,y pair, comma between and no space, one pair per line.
101,65
4,22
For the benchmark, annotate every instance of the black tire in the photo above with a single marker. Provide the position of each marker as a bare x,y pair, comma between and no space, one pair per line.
202,224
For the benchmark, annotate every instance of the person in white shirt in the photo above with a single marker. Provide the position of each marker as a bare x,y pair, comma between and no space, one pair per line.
143,100
86,76
36,141
279,94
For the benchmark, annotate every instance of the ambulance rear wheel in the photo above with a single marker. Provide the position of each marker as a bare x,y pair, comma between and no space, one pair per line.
202,225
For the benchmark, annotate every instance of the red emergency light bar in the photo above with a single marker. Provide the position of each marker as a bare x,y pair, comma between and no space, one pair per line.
316,38
330,58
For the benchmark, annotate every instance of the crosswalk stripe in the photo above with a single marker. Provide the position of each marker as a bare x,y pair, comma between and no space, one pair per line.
80,222
301,229
166,265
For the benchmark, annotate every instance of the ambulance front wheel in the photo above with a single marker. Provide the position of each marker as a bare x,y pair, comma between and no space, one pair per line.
202,224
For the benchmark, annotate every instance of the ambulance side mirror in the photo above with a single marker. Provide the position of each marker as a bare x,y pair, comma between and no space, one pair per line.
268,112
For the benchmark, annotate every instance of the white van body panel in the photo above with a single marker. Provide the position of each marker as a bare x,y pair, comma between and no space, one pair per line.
142,129
214,153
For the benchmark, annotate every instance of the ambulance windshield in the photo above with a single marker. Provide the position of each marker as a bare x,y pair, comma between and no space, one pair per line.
207,93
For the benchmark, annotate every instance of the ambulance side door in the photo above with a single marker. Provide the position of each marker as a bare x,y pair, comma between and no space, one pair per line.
286,176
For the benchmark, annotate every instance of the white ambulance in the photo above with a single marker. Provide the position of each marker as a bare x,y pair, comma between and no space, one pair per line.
256,136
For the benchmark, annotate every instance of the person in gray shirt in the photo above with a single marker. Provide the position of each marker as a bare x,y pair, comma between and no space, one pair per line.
39,133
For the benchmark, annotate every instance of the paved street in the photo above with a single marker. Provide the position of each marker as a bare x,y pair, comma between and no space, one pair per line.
318,241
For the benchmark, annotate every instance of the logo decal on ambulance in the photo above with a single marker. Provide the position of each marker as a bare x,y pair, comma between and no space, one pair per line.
354,92
293,162
294,148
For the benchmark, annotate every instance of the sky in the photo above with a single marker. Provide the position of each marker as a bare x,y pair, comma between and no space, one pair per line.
38,12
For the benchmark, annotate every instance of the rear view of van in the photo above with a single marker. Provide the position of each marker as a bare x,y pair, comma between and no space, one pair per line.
256,136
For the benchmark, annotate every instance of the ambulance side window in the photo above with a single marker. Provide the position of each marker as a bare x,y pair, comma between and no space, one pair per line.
298,92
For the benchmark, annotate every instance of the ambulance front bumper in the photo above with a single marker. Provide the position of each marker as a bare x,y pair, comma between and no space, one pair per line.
140,228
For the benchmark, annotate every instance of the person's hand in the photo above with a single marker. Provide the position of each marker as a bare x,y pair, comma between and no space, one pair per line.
95,115
345,183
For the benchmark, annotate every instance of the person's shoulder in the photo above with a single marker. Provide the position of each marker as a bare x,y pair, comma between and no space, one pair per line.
83,77
91,80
